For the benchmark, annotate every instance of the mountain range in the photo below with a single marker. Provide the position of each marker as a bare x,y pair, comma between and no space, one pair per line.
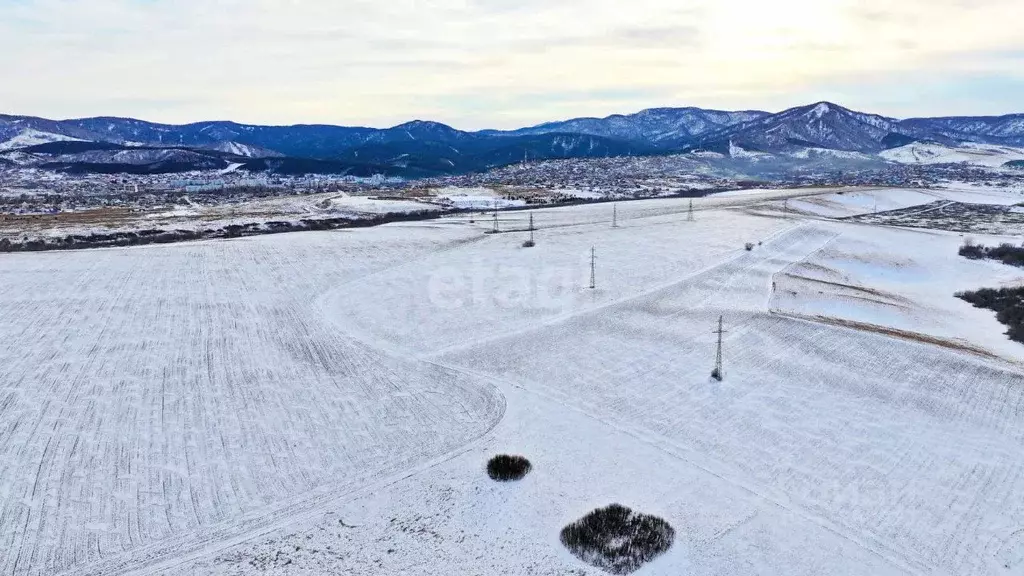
422,148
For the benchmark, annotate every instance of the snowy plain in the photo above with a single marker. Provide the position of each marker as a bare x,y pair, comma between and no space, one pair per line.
324,402
966,153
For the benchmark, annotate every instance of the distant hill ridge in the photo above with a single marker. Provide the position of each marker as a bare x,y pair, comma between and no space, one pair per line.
423,148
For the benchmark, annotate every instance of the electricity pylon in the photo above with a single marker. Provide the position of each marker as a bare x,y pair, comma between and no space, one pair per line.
718,373
593,268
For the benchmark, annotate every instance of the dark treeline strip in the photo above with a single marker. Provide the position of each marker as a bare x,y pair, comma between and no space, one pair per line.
145,237
1008,303
1005,253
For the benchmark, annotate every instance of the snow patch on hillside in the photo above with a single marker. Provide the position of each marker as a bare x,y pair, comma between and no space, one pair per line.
33,137
807,153
738,152
967,153
245,150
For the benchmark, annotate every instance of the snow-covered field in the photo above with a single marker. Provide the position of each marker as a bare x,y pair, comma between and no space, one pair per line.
970,153
858,202
192,216
154,401
324,403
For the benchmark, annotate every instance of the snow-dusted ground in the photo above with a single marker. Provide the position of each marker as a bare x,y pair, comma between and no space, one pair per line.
324,403
900,279
967,153
155,401
858,202
196,217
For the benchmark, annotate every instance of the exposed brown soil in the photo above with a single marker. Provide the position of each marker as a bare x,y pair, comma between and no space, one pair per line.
895,333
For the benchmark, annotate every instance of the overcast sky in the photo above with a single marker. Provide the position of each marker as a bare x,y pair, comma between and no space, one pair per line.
503,63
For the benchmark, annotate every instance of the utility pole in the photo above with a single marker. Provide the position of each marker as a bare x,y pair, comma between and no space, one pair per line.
615,215
718,373
495,230
689,216
593,268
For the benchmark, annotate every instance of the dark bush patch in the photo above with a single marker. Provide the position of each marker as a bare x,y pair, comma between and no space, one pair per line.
972,252
1008,303
1005,253
505,468
618,540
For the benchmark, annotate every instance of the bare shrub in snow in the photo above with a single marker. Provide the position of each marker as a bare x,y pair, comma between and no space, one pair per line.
618,540
505,468
1005,253
972,251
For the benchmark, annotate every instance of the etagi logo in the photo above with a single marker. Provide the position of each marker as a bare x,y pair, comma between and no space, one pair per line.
489,285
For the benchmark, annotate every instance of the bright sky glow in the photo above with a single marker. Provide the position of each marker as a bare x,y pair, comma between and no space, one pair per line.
503,63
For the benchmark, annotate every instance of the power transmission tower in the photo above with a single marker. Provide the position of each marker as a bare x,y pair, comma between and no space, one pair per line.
593,268
495,230
689,216
615,215
530,243
718,373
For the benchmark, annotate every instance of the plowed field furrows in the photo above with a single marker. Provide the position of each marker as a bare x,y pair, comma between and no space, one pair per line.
151,397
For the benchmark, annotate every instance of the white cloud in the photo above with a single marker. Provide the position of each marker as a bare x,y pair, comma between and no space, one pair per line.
476,63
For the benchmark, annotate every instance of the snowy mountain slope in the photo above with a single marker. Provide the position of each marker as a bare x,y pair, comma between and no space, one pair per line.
1007,129
740,152
140,156
423,156
310,141
656,126
19,158
245,150
32,137
421,147
967,153
422,130
821,125
12,126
